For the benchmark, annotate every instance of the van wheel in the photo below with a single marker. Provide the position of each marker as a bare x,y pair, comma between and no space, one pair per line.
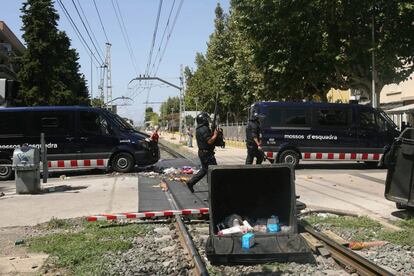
400,206
6,173
289,157
123,162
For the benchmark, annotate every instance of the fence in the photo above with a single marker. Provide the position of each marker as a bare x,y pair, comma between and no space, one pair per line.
234,132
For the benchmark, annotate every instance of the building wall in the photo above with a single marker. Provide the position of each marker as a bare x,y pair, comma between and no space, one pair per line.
402,93
10,47
338,96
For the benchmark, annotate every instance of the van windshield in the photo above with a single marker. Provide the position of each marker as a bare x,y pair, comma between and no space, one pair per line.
388,119
120,122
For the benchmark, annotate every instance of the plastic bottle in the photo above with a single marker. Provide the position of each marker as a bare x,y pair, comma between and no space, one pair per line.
273,224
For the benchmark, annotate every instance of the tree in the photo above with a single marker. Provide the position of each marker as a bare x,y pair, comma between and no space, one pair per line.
97,102
49,73
148,113
306,47
216,72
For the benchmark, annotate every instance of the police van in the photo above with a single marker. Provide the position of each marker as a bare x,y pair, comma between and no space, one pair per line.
293,131
76,138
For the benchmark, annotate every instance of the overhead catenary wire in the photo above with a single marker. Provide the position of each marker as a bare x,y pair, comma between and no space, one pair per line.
125,35
154,36
79,34
163,35
100,21
87,31
169,35
89,26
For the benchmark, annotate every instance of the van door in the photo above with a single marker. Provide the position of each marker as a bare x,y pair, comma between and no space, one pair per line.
333,129
386,131
368,131
96,137
59,129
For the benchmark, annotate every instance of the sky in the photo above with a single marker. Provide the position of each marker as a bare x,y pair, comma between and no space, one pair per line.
190,35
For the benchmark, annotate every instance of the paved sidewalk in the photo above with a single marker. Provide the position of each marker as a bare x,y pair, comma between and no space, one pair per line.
72,197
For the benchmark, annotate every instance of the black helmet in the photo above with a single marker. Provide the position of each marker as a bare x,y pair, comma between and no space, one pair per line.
255,116
203,118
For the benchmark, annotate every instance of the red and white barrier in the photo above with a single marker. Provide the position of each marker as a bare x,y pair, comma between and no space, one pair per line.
73,164
334,156
166,213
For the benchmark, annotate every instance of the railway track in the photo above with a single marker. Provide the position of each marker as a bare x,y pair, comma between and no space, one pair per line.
346,258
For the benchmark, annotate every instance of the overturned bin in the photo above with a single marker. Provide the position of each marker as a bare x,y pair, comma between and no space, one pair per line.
399,184
261,201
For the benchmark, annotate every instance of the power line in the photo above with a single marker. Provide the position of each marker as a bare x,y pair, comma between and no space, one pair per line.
87,31
169,35
163,35
100,20
154,36
78,33
87,23
124,32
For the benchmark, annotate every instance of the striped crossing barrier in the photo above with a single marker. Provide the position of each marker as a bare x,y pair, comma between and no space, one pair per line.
166,213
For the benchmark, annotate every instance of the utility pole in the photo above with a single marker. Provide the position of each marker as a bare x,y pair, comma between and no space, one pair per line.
101,85
182,103
91,84
108,76
374,94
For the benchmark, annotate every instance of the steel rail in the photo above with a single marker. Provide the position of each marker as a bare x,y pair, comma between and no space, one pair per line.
183,232
340,253
346,256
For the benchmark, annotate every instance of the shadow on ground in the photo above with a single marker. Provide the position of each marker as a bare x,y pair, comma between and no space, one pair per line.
337,166
404,214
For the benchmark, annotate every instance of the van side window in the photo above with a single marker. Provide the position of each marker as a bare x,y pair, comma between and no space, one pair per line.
273,117
382,123
12,123
332,117
284,117
294,117
51,123
367,119
93,123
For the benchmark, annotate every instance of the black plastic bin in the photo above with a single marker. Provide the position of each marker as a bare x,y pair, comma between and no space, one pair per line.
254,192
400,164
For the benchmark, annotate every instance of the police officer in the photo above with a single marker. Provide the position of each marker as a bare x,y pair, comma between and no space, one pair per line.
205,141
253,141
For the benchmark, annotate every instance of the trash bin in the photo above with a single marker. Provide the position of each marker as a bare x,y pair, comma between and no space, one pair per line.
26,165
399,184
254,193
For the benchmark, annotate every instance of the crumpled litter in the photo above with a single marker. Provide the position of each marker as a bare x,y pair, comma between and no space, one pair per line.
187,170
149,174
171,170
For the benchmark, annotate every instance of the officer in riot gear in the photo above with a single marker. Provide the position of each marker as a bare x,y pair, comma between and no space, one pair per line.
206,143
253,140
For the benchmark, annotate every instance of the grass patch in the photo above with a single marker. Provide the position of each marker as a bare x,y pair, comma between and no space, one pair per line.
368,229
56,223
273,267
82,252
362,228
345,222
403,237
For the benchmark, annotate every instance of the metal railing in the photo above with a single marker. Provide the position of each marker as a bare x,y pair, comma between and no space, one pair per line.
234,131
